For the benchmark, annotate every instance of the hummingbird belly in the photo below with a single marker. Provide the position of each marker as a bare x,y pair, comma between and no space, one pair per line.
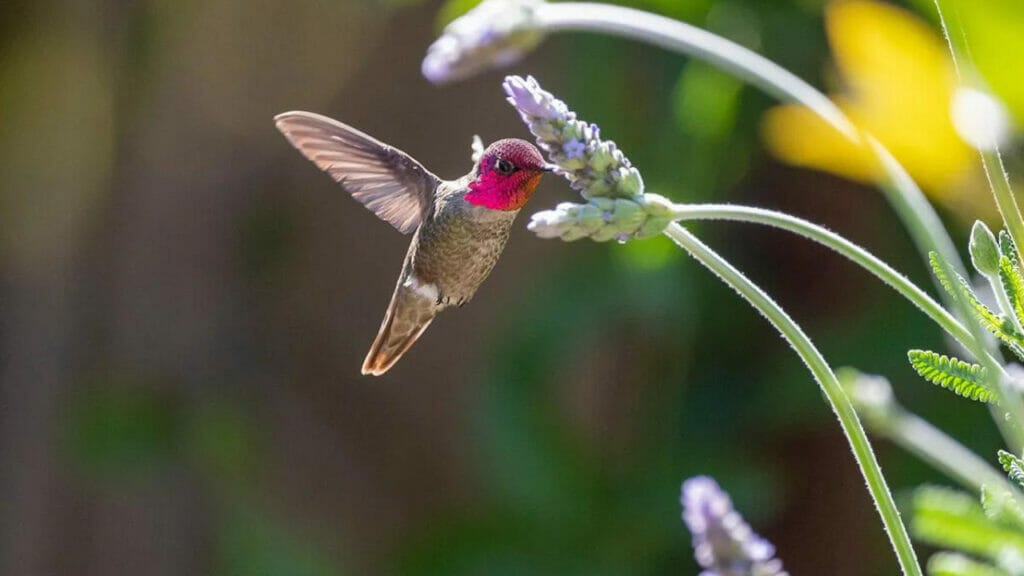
457,247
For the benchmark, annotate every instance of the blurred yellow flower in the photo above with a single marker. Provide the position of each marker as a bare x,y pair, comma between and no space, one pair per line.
898,84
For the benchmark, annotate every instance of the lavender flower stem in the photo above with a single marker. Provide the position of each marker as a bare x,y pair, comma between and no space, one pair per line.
834,241
907,199
687,39
826,379
903,194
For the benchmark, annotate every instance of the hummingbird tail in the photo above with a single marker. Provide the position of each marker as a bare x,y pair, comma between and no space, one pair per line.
412,309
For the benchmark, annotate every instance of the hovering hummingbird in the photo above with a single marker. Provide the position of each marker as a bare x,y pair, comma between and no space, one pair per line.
459,226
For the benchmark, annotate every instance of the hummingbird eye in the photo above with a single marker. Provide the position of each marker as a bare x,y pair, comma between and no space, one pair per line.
504,167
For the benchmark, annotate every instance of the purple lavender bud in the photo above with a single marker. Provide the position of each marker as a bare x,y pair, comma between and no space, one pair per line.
723,543
593,166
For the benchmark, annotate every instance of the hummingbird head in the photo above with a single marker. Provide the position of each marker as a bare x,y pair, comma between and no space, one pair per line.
508,173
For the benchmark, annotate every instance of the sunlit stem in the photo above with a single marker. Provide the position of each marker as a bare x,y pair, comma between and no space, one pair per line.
942,451
904,195
999,183
826,379
907,200
992,160
834,241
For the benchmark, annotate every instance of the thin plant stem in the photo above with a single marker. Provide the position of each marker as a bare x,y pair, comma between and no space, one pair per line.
826,379
992,162
903,194
991,159
906,198
839,244
943,452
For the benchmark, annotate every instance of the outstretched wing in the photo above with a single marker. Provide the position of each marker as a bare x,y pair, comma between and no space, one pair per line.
389,182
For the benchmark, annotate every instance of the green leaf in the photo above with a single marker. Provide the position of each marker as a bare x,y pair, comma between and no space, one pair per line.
1013,285
1001,327
1001,506
953,519
964,379
1013,465
952,564
984,249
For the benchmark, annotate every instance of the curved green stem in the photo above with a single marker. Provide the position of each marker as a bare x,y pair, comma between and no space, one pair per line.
991,159
834,241
826,379
999,182
992,162
906,198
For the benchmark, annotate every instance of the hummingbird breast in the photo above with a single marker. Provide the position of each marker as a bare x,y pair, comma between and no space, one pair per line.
458,244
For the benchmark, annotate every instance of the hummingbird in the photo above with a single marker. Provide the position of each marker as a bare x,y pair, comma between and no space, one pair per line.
459,227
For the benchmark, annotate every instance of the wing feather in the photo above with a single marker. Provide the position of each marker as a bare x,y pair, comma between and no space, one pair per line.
389,182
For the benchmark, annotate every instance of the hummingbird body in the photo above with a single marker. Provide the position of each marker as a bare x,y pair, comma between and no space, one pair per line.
459,227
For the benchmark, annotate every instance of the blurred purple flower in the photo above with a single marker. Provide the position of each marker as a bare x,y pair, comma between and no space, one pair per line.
723,542
494,33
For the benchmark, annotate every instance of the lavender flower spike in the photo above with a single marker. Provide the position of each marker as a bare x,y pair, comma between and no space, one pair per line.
495,33
723,543
617,206
595,167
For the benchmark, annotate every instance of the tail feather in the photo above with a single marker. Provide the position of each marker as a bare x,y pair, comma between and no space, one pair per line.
408,315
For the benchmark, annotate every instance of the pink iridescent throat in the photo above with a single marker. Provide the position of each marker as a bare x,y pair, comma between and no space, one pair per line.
497,192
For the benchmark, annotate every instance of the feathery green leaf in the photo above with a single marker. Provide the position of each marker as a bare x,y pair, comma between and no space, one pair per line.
1013,465
967,380
1008,248
1013,285
960,289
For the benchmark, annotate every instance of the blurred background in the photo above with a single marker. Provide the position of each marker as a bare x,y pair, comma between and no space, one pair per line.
185,301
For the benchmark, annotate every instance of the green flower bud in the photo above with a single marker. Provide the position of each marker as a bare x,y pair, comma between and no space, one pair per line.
631,184
984,250
604,234
601,158
627,217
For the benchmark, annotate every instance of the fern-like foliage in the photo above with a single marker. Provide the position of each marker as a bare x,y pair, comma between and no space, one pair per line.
960,289
1008,248
967,380
1013,465
1013,285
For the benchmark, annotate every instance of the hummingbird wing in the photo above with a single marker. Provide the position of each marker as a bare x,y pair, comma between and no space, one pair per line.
389,182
